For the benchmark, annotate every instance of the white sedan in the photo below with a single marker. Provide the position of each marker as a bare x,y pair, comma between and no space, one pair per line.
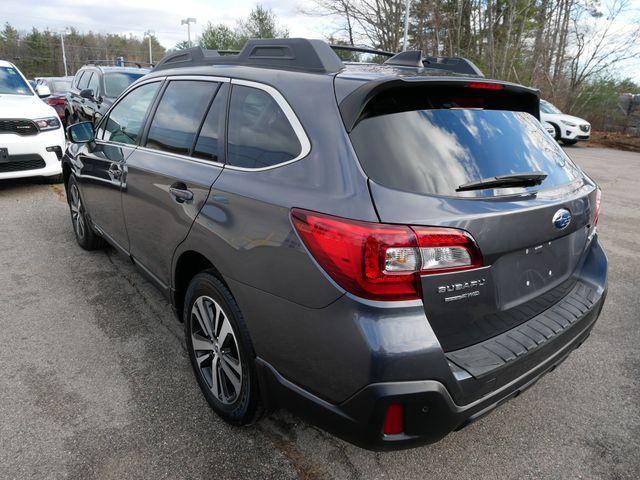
568,129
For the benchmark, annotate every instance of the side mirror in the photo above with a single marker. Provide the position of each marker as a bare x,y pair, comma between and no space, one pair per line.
81,132
42,90
87,93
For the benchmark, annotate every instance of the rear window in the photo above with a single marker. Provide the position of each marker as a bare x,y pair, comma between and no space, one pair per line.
436,151
116,83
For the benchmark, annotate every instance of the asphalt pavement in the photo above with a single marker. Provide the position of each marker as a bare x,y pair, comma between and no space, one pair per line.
95,381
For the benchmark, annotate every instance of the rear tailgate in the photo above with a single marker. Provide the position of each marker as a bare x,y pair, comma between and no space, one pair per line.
419,144
528,262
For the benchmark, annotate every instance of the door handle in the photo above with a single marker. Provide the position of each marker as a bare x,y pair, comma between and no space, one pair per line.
180,192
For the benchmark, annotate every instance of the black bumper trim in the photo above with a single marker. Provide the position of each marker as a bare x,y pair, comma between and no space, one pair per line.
500,351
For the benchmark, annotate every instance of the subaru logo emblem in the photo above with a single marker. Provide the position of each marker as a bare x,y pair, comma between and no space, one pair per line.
561,219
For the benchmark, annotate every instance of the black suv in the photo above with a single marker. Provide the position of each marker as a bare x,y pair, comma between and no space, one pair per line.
94,89
389,250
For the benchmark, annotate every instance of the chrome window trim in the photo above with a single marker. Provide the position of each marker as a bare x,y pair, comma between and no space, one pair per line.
182,157
305,144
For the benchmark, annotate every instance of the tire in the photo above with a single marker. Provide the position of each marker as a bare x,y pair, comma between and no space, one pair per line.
233,392
557,135
53,179
569,142
86,237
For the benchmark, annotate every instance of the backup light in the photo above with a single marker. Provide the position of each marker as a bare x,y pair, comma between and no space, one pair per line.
381,261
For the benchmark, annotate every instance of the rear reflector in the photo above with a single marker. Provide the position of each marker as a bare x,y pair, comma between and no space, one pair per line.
485,86
381,261
394,420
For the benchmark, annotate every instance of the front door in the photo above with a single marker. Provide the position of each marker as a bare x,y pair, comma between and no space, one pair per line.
168,180
102,164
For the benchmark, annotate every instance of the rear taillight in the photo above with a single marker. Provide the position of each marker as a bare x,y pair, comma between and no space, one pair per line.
381,261
55,101
598,199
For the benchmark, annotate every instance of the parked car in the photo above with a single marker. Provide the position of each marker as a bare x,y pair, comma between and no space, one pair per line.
551,130
31,135
94,89
568,129
59,87
391,260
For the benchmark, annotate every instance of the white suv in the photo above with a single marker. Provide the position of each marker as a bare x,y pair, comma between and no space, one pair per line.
31,136
567,128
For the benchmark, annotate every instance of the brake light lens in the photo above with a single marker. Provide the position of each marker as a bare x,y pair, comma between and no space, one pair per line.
485,86
394,419
382,261
598,199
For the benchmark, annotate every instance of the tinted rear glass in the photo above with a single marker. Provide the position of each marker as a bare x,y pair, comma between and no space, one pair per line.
436,151
116,83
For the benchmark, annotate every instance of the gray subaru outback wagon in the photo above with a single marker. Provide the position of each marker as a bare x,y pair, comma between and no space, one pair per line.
389,250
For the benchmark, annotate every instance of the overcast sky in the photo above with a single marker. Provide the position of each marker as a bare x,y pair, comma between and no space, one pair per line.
163,17
137,16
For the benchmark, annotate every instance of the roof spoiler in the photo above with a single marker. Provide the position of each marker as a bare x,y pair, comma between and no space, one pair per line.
288,53
353,106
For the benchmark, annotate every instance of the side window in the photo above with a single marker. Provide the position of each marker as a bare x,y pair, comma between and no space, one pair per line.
93,83
84,81
127,117
179,114
260,134
78,79
210,143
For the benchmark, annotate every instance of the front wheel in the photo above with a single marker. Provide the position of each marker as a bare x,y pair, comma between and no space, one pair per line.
85,236
220,350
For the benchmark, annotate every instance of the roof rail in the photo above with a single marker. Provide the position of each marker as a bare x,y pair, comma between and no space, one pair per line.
118,63
414,58
453,64
286,53
352,48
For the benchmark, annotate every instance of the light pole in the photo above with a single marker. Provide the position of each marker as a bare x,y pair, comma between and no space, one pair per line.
406,25
64,53
148,34
188,22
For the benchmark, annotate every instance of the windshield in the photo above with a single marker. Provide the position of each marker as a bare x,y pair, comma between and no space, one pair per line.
12,83
115,83
60,86
436,151
546,107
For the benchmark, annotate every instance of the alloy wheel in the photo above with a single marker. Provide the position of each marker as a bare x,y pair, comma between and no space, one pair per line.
77,216
216,350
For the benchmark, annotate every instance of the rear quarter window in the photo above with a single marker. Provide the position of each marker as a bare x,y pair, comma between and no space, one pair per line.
260,134
436,151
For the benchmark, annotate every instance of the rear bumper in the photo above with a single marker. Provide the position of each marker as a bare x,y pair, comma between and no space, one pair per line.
434,406
430,411
21,147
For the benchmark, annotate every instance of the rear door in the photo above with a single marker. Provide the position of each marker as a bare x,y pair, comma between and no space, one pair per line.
169,176
532,238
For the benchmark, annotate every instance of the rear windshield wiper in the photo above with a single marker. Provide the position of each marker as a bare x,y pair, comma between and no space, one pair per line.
527,179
